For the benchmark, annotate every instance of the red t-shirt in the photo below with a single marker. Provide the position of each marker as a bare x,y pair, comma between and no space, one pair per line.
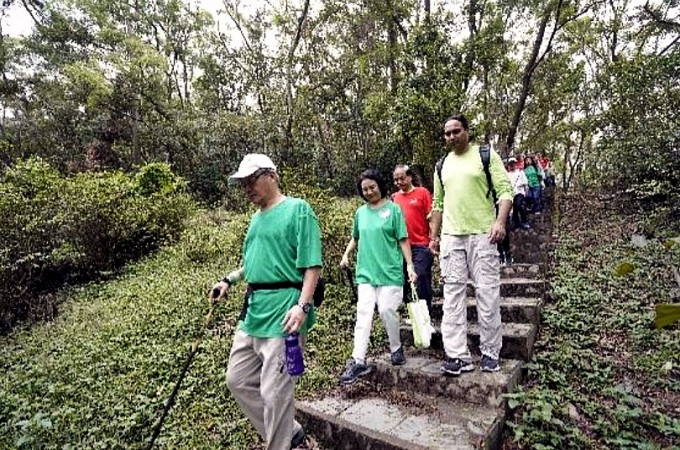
416,206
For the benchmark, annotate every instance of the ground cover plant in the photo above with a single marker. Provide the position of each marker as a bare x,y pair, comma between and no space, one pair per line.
59,229
98,375
602,376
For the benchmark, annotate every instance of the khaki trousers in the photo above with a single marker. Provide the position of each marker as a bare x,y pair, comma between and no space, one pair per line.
473,254
258,380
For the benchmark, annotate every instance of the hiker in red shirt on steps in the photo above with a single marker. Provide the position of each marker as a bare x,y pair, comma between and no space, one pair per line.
416,204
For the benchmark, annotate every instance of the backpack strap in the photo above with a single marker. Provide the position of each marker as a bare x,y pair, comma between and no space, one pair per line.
485,156
438,168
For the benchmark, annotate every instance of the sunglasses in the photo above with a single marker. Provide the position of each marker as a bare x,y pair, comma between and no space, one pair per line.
453,132
247,181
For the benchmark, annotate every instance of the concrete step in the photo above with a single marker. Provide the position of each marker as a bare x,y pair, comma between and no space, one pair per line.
516,287
399,421
518,339
510,287
522,270
422,373
513,309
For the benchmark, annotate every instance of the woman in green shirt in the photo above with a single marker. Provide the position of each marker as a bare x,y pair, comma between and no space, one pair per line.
379,231
531,170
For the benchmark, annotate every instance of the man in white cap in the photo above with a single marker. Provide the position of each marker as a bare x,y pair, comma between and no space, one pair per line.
281,262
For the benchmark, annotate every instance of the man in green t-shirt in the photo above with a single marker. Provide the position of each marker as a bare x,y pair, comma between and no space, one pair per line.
282,263
470,227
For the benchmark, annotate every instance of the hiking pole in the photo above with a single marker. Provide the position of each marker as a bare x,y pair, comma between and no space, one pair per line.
190,357
349,276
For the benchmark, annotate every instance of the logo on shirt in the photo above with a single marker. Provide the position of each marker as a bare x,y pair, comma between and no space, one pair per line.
413,201
385,213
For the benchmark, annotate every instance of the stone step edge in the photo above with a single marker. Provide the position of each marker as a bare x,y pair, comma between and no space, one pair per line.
508,306
511,373
513,333
337,427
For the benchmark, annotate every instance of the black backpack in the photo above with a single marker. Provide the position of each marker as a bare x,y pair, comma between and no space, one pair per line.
485,156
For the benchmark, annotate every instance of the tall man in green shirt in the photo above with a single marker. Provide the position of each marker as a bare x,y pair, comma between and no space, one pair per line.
470,231
281,252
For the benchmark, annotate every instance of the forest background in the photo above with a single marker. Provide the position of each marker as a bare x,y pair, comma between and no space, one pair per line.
121,121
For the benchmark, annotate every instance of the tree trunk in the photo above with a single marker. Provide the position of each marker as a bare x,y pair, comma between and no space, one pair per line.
526,80
289,83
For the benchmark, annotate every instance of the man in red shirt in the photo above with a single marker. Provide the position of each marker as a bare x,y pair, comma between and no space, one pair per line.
416,204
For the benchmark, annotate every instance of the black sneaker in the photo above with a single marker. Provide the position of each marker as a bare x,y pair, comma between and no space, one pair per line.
489,364
298,439
398,358
353,371
454,366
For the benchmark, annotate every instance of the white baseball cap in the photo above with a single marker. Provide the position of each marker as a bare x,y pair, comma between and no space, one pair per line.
251,163
512,159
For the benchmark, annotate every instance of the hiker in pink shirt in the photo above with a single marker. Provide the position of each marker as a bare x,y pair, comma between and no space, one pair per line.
416,204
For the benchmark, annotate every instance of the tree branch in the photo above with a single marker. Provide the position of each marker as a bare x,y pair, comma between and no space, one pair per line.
656,17
289,77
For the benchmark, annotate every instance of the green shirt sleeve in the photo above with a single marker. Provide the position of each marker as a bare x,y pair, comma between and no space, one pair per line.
355,226
308,239
399,223
499,177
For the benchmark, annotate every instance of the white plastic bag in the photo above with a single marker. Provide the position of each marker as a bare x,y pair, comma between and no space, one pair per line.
420,321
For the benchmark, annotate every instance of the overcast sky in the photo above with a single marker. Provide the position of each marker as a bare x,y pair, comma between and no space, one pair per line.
16,20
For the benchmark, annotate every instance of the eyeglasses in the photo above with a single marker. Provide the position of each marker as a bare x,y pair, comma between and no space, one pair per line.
249,180
453,132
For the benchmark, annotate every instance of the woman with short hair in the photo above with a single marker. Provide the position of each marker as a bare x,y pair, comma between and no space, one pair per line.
379,232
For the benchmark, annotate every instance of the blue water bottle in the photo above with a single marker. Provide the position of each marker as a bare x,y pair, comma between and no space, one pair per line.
294,361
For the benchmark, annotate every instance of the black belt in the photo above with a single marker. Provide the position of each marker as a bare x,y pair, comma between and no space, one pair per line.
274,286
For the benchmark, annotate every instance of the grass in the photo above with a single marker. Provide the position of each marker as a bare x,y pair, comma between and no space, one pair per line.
99,374
602,376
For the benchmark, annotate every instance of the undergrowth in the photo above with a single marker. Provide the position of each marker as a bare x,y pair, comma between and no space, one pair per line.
602,376
99,374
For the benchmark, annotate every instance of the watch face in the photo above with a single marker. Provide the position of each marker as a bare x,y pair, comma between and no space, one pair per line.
306,308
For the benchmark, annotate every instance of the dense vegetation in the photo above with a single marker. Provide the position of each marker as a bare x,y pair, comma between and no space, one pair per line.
97,376
58,230
328,88
602,376
120,118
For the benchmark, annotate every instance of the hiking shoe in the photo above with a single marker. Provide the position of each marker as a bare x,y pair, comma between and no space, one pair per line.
398,358
509,261
454,366
298,439
525,226
353,371
489,364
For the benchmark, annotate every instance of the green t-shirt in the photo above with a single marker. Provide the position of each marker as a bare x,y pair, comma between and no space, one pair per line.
378,232
280,244
465,208
532,176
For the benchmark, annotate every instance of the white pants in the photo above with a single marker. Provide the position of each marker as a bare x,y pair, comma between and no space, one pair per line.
473,254
388,299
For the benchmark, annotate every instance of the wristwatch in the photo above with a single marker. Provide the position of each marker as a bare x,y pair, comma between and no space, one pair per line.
306,307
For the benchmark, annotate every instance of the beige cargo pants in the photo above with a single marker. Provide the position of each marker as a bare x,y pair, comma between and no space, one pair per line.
473,254
258,380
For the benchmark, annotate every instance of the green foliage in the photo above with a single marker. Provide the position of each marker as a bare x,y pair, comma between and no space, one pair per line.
602,376
98,376
666,315
59,229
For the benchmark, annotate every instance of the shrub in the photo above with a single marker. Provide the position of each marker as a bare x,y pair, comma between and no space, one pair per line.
62,229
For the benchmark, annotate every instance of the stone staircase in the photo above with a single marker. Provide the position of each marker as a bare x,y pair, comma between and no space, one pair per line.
415,406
